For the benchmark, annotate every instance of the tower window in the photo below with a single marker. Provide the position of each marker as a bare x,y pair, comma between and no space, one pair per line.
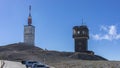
78,32
83,32
74,32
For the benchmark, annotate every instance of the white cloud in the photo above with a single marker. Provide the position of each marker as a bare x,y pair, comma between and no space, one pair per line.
97,37
111,33
103,28
112,30
118,36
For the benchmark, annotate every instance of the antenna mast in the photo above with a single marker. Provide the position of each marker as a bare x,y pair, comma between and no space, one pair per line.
29,18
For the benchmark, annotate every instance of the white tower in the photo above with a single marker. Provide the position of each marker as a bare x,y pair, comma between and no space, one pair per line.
29,31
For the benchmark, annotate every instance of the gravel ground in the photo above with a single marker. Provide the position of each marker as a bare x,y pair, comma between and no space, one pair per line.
88,64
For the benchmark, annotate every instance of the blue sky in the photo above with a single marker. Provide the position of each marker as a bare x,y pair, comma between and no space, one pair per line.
54,20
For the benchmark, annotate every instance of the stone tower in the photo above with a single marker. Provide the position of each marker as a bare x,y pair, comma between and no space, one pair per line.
29,31
81,36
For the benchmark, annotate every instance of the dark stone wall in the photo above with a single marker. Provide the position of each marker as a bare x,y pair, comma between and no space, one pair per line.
81,45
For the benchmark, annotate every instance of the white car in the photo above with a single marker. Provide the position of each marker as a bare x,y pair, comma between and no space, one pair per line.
29,63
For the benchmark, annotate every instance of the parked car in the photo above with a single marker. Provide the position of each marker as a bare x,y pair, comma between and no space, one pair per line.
39,65
29,63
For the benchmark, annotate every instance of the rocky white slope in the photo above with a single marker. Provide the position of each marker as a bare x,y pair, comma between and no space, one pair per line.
11,64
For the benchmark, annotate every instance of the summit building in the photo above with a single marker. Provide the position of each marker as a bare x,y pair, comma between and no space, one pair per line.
29,31
81,37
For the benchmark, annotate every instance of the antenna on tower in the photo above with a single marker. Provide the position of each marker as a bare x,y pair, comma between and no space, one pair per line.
29,18
82,22
29,10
